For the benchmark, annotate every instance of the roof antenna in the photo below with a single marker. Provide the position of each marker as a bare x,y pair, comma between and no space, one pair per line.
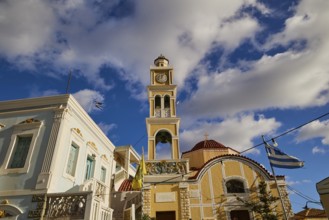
68,82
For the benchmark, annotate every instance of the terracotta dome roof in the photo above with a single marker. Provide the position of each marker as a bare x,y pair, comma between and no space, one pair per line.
208,144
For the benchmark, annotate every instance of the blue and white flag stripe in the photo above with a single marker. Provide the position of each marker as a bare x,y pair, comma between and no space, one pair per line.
281,160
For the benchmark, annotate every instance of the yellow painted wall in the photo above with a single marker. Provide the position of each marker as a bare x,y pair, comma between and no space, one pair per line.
217,182
205,189
195,213
151,150
161,93
165,206
250,176
199,157
232,168
207,212
195,159
172,107
157,127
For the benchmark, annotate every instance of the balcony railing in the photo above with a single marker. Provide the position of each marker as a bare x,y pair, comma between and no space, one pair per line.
162,113
64,205
98,188
166,112
81,205
154,167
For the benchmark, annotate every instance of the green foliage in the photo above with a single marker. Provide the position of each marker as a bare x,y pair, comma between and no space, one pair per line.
263,204
146,217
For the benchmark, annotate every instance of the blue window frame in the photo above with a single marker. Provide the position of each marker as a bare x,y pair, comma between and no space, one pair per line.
90,168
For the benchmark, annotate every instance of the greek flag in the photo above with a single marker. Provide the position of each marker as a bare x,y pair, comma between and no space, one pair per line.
281,160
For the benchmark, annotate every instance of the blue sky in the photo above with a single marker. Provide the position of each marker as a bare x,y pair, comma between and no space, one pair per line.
243,69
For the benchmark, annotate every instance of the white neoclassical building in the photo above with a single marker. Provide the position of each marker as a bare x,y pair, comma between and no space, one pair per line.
55,162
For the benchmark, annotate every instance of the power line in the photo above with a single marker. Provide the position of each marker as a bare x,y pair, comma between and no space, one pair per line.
287,132
302,195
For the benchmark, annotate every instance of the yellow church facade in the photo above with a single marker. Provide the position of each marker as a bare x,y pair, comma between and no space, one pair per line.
202,183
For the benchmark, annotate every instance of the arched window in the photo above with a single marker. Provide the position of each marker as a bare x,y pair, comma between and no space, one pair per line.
167,105
235,186
157,106
167,101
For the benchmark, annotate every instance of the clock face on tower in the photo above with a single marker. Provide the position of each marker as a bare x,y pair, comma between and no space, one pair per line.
161,78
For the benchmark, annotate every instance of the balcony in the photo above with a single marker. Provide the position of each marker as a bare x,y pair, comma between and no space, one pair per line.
81,205
99,189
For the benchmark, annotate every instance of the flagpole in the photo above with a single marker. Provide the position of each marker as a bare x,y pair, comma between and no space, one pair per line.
277,186
280,195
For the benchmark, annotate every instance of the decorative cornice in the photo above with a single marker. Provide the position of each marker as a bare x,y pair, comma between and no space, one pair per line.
104,157
78,131
93,145
29,121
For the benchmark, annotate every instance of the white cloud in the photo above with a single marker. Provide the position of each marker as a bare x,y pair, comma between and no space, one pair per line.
106,128
318,150
81,35
296,78
292,182
26,27
287,80
315,129
87,98
237,132
163,151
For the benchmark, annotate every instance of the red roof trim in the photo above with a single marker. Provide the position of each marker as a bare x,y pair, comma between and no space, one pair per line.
208,144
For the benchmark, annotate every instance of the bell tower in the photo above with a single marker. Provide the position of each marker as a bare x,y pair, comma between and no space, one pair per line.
162,123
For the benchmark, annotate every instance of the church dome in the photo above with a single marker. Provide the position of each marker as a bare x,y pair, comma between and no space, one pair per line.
208,144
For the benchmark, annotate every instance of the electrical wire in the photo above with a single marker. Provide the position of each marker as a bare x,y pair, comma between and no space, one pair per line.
287,132
302,195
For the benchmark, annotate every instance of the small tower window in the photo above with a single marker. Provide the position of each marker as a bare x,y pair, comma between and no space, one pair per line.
167,105
157,106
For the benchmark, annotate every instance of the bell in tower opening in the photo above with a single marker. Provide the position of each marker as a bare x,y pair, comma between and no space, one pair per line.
162,123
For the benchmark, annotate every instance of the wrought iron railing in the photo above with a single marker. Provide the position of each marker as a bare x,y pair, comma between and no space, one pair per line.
80,205
71,205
